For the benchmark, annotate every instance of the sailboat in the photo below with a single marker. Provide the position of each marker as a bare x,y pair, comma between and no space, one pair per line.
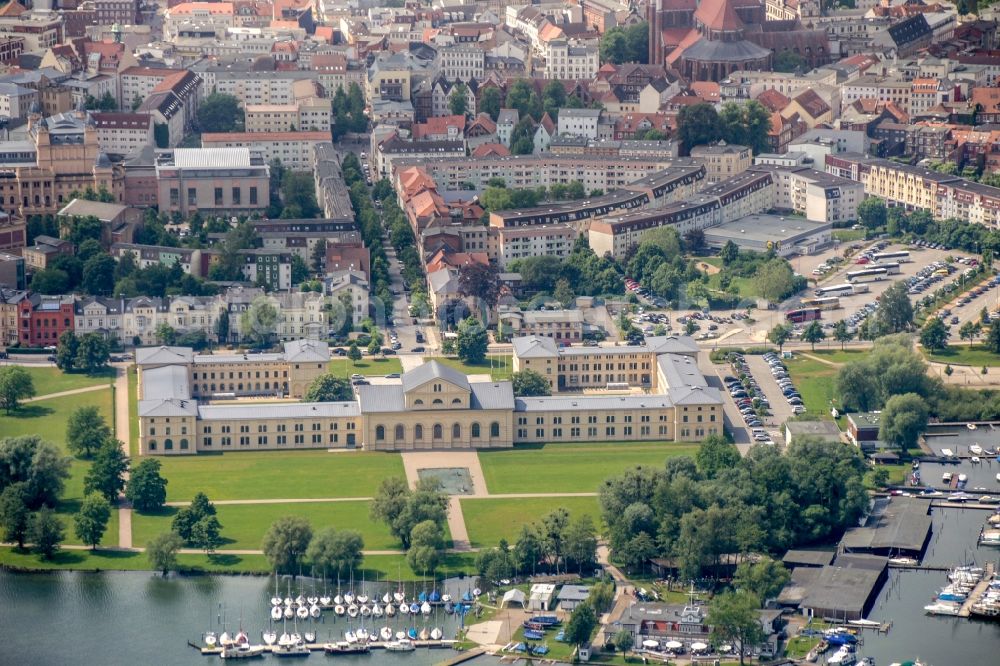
436,633
276,612
975,449
385,633
377,610
390,610
269,636
404,609
425,608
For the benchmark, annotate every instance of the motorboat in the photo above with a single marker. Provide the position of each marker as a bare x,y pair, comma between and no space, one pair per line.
343,647
970,426
942,608
975,449
952,593
946,477
844,656
902,562
242,651
401,645
864,623
976,460
293,649
947,453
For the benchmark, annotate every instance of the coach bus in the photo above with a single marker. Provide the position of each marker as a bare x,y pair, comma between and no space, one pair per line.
875,272
901,256
826,303
841,290
804,315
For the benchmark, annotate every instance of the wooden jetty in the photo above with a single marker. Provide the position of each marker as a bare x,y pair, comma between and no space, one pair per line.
978,591
374,645
462,657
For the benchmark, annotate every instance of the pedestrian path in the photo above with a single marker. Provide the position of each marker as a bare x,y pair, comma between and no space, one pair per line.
123,433
456,525
63,394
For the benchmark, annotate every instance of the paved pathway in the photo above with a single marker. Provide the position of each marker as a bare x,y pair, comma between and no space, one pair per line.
456,525
62,394
122,432
313,500
410,361
221,551
417,460
623,594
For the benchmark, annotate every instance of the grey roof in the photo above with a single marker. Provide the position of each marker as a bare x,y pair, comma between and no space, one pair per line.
295,410
826,429
695,395
672,344
832,589
381,398
83,208
307,350
163,355
492,395
817,558
680,371
430,371
165,382
237,358
168,407
896,523
574,593
706,50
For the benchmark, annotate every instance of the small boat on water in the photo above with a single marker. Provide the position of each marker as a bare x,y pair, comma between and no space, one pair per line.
275,601
365,610
312,600
309,636
386,598
865,623
269,637
844,656
352,611
210,639
970,426
377,611
385,633
448,607
942,608
436,633
276,612
314,611
362,634
975,449
302,612
404,609
424,634
398,596
338,600
343,647
412,633
289,613
401,645
414,608
425,608
836,637
952,593
445,598
292,649
390,610
947,453
976,460
242,651
324,601
898,561
339,609
946,477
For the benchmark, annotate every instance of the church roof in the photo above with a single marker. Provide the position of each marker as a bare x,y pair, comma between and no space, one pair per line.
718,15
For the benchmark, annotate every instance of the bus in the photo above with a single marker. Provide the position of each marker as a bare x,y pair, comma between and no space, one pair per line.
841,290
804,315
876,272
826,303
901,256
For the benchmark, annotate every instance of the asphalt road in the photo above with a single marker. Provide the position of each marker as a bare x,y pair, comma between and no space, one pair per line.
733,419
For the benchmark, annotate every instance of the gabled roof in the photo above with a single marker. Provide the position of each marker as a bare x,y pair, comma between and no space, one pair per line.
163,355
307,350
433,370
773,100
533,346
718,15
812,103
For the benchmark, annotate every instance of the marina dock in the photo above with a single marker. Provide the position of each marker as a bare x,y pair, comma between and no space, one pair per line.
374,645
462,657
978,591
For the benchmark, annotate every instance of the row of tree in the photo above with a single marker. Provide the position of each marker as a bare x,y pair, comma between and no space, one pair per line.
743,124
416,517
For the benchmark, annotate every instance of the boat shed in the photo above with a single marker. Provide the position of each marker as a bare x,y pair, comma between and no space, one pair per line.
515,597
571,596
843,591
808,558
896,526
541,597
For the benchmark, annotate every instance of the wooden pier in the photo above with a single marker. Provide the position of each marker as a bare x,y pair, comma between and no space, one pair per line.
462,657
978,592
374,645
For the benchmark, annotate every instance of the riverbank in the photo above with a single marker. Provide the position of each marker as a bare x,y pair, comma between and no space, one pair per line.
393,567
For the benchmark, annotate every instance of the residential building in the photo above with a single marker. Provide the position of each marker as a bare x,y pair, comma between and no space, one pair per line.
10,315
271,269
564,60
122,12
103,316
44,319
462,62
515,243
16,101
123,133
307,115
722,160
579,122
293,149
563,326
45,249
350,289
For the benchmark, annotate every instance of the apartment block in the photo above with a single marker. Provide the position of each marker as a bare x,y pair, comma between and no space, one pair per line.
293,149
213,180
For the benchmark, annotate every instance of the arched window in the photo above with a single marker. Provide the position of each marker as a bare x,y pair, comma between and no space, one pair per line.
400,433
379,433
418,431
475,430
418,401
438,431
456,431
437,401
152,445
184,444
494,429
168,444
456,401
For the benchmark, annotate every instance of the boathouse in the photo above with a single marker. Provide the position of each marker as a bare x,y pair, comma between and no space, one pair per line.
896,526
845,590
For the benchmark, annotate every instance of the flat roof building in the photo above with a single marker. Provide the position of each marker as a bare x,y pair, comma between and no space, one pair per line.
826,431
895,526
760,233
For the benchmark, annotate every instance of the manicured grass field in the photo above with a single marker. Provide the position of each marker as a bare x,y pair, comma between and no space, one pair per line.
840,356
815,381
47,418
370,367
244,525
53,380
848,235
570,468
489,520
976,356
278,474
500,369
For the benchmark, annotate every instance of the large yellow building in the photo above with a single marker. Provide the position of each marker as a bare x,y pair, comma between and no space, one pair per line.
431,407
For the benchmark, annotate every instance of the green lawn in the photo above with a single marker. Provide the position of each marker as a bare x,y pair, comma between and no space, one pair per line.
975,355
53,380
897,475
244,525
47,418
391,567
489,520
570,468
279,474
837,355
499,366
848,235
815,381
370,367
743,285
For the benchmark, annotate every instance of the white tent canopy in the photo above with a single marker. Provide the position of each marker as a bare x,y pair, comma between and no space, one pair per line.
650,644
674,645
514,596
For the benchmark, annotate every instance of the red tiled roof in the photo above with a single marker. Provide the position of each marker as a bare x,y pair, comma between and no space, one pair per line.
718,15
487,149
773,100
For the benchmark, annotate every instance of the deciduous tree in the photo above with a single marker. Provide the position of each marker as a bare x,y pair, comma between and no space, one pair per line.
530,383
107,473
86,431
91,521
162,551
45,533
286,542
15,385
329,388
146,488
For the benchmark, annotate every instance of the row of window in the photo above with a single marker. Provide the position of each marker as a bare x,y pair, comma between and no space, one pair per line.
280,427
239,375
592,431
437,432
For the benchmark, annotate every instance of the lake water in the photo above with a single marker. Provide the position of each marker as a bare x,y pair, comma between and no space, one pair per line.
135,618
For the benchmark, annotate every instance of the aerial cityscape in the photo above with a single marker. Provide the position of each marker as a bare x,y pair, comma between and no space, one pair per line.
441,332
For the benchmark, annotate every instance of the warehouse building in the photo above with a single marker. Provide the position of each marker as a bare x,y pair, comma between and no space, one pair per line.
760,233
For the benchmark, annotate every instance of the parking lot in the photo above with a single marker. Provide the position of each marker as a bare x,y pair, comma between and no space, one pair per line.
968,303
780,410
763,394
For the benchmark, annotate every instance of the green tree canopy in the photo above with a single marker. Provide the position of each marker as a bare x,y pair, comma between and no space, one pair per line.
934,335
286,542
473,341
45,532
329,388
904,419
146,488
734,619
530,383
336,552
219,112
86,431
91,521
15,385
162,551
